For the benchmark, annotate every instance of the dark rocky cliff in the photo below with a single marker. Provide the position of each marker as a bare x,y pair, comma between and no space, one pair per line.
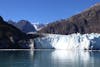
11,37
87,21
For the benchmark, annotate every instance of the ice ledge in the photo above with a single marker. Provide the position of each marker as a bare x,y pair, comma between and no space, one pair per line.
73,41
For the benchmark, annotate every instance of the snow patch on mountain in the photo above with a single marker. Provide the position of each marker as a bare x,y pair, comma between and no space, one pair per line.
38,26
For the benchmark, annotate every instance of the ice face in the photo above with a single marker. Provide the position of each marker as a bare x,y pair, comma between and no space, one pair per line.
73,41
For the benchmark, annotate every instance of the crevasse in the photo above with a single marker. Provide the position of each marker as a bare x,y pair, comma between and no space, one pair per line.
73,41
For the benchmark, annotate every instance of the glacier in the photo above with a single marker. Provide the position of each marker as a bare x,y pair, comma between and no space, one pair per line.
69,42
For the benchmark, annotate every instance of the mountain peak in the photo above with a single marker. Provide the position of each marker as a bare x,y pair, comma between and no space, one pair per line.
97,4
1,19
24,22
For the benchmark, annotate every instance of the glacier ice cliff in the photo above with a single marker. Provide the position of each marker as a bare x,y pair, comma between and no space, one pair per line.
73,41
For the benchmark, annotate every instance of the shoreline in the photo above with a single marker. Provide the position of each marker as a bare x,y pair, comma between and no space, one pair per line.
43,50
23,49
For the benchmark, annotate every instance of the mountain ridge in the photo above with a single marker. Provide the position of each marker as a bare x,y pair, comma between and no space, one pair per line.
87,21
27,26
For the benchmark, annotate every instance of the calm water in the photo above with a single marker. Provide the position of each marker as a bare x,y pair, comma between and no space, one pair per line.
49,58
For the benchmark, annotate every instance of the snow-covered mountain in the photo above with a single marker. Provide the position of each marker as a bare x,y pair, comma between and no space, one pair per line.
73,41
39,26
27,26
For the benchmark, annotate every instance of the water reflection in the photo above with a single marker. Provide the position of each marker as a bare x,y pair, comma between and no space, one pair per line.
49,58
16,59
63,58
70,58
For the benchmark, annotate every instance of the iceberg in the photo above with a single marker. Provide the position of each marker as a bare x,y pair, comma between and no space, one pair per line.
69,42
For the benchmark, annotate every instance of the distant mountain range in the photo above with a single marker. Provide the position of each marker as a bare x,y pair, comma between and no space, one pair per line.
13,34
87,21
27,26
13,38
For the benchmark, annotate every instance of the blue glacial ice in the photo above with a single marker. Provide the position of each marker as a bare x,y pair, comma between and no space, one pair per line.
69,42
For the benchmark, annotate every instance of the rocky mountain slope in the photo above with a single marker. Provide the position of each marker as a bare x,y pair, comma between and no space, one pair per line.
27,26
87,21
11,37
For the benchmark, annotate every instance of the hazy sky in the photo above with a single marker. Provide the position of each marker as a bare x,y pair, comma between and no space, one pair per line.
42,11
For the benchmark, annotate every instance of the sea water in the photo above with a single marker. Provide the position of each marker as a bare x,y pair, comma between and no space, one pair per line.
49,58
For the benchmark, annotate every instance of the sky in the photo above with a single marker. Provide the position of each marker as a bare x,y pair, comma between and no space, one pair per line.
42,11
